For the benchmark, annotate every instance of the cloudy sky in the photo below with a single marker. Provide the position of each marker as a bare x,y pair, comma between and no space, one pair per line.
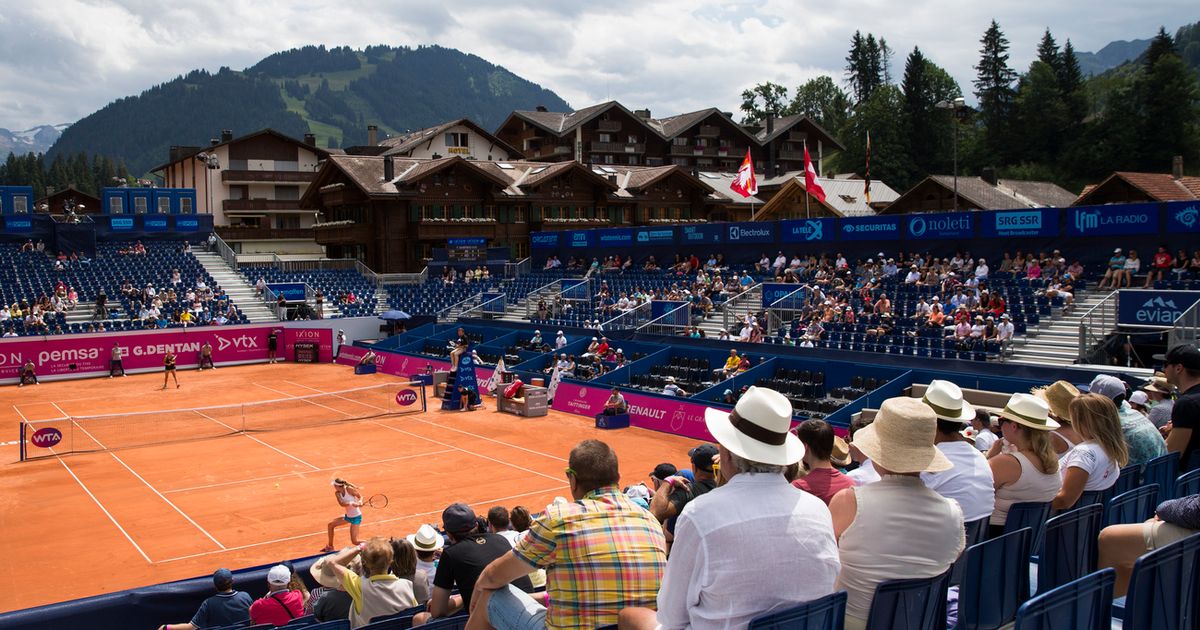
62,59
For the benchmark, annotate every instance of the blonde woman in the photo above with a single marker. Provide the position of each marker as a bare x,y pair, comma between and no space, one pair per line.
1024,464
1095,463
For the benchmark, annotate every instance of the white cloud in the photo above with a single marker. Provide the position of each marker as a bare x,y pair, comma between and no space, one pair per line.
61,60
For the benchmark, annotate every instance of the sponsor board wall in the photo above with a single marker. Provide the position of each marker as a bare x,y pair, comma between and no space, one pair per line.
1153,308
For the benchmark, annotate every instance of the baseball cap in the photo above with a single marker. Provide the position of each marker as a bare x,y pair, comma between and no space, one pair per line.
1185,355
279,575
1139,398
222,579
662,471
458,518
702,457
1117,250
1107,386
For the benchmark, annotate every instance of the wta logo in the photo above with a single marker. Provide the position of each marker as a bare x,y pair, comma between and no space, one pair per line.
406,397
47,437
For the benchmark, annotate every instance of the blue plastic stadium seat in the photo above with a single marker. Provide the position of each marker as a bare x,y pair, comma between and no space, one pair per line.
1029,514
1162,470
826,613
1069,547
1164,589
1187,484
1134,506
916,604
995,581
1083,603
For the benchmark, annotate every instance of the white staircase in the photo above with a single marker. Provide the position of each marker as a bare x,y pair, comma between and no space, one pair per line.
237,288
1056,342
737,307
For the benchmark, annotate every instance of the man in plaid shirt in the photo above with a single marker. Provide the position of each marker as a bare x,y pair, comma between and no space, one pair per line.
602,553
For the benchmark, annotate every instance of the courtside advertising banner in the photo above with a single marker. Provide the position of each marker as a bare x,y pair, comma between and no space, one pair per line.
323,337
404,365
807,230
675,416
1030,222
616,237
88,355
1153,308
870,229
1183,217
543,240
1118,220
956,225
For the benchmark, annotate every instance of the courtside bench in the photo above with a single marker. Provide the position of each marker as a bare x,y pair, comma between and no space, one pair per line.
533,404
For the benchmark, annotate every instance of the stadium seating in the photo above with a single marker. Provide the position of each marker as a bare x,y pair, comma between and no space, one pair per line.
995,581
1084,603
331,282
826,613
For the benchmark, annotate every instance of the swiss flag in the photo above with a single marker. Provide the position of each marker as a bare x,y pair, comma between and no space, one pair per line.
744,183
810,177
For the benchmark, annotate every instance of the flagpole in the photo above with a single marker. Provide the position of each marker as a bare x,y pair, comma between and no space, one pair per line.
807,214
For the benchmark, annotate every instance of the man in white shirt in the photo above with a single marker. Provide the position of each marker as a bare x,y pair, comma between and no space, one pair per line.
970,480
914,275
730,564
780,261
672,389
499,523
981,271
560,341
982,424
1005,330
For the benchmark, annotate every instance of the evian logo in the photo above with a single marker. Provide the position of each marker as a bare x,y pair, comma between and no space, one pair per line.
1189,216
406,397
46,438
243,341
1159,302
1156,310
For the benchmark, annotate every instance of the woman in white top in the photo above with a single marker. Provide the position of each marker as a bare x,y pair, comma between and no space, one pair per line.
349,497
1024,464
1095,463
1132,266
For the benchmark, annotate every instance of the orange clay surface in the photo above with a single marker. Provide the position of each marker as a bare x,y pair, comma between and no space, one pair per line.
145,515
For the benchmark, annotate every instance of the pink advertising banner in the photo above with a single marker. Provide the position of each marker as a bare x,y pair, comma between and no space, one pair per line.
406,365
88,355
678,417
323,337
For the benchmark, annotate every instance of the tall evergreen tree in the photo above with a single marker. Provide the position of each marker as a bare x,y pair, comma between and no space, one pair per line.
883,116
864,66
930,132
1161,45
1166,95
995,91
1048,52
1042,113
1070,82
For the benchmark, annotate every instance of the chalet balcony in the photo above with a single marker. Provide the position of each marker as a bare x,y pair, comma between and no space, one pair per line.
708,131
791,154
617,147
260,205
434,229
342,232
242,233
297,177
609,125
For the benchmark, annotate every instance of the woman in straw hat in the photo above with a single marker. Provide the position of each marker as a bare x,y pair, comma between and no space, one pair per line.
896,527
1026,468
1058,395
1095,463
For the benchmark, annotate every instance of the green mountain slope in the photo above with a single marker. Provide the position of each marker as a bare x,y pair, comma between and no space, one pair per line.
332,93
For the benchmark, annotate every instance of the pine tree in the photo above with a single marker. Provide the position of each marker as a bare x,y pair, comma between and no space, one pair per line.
1070,82
1042,113
930,132
1166,96
994,89
1048,52
864,66
1161,45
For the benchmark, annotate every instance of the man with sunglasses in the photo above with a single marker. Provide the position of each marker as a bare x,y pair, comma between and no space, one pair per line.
1181,365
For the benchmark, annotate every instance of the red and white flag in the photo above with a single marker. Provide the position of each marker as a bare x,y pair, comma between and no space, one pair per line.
810,178
744,183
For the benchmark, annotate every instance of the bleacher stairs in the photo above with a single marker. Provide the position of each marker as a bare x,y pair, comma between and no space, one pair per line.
241,292
1056,342
739,308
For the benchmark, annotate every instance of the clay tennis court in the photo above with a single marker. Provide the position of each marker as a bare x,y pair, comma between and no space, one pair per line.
89,523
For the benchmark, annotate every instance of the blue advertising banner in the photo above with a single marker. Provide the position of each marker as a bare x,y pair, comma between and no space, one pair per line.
543,240
618,237
120,224
658,308
1031,222
154,224
774,291
291,291
1153,308
466,242
940,225
697,234
807,230
18,224
870,228
579,238
187,224
654,236
1125,219
1183,217
492,303
750,233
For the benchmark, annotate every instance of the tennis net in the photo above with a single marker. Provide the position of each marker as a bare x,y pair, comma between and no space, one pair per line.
80,434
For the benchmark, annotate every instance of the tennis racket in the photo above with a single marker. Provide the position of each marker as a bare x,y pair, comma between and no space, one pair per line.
377,501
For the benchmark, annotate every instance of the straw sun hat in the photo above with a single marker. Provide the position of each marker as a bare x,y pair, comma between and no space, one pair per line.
901,438
758,428
946,400
1058,395
1029,411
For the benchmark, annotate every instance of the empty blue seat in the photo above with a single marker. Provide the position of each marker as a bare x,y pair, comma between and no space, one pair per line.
995,581
1069,547
1187,484
1083,603
826,613
1162,470
916,604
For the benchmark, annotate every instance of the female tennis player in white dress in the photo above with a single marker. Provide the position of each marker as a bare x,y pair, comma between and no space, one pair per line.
349,497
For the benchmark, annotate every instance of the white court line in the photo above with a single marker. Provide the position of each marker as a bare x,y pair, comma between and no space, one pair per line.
369,523
105,510
140,478
458,448
269,477
305,400
442,426
280,451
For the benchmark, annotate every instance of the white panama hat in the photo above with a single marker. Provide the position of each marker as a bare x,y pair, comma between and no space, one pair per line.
758,428
946,400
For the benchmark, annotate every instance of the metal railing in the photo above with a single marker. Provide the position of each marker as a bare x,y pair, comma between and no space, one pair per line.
271,301
225,251
444,314
516,269
787,308
312,264
669,323
730,309
1187,327
493,308
398,278
1096,324
630,319
550,290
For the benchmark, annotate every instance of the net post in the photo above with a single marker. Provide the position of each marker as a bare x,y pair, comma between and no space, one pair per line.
21,449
